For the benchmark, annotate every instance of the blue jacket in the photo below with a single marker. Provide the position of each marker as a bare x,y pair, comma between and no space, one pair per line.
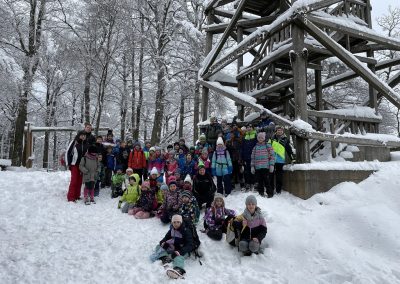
248,143
110,161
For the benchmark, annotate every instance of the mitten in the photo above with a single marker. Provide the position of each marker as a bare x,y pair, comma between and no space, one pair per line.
271,169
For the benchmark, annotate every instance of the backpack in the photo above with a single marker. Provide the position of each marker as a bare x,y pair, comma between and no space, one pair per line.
196,239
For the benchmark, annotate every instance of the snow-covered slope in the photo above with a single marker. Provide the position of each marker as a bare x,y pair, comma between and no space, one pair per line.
348,235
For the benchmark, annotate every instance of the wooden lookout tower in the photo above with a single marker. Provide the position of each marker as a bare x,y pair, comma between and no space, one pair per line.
287,40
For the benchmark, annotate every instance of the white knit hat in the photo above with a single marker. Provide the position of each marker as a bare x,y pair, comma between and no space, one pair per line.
154,171
188,179
152,149
176,218
220,141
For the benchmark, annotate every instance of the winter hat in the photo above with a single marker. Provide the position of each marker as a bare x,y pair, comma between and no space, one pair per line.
164,187
220,141
202,137
186,193
182,140
188,179
200,165
251,199
132,176
129,170
192,148
243,128
218,196
152,149
137,143
154,171
176,218
92,149
261,136
170,146
146,183
279,127
171,179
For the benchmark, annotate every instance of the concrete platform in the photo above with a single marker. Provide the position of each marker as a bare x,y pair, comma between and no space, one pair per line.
306,183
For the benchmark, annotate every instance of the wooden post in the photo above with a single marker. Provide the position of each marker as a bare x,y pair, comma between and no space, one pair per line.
318,96
28,145
333,144
298,58
205,91
240,108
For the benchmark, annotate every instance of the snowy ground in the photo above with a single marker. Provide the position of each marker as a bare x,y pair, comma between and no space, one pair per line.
348,235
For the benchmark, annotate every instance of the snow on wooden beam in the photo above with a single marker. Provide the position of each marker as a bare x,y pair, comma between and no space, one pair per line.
350,60
351,28
215,51
332,114
216,3
271,57
272,88
220,28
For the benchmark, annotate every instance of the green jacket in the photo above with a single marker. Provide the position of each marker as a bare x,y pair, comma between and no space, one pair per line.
118,180
132,192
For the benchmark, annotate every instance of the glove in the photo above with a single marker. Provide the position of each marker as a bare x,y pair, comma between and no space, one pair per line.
253,170
119,204
271,169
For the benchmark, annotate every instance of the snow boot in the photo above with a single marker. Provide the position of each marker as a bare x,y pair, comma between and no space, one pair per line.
166,259
92,201
87,202
176,273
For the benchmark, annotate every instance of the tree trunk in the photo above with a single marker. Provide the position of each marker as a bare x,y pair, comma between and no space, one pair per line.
196,112
86,93
181,115
159,105
140,100
124,97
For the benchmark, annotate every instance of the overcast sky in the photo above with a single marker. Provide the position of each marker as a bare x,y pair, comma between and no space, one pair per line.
381,7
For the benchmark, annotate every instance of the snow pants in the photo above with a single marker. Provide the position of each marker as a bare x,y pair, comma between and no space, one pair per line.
74,190
248,176
263,179
252,246
178,261
226,179
278,176
127,206
89,189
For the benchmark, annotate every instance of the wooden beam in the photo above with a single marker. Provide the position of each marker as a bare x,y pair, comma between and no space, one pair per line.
272,88
324,114
249,43
244,23
266,61
215,51
216,3
352,62
234,36
354,32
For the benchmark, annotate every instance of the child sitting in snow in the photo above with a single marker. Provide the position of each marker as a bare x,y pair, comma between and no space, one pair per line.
131,194
174,247
217,218
128,173
145,203
117,180
189,210
89,167
171,203
250,227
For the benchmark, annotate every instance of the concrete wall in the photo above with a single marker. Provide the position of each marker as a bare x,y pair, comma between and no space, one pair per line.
306,183
371,153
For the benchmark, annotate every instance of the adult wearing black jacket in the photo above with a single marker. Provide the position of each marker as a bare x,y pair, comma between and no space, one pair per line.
90,139
203,187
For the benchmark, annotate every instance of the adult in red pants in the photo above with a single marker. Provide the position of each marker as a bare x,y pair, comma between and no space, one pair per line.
73,156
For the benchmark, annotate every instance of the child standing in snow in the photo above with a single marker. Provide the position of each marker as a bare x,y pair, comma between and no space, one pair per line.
250,227
100,175
145,205
131,194
89,167
262,164
221,167
217,218
174,247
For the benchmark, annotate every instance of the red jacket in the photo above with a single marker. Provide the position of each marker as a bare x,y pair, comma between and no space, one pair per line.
137,160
